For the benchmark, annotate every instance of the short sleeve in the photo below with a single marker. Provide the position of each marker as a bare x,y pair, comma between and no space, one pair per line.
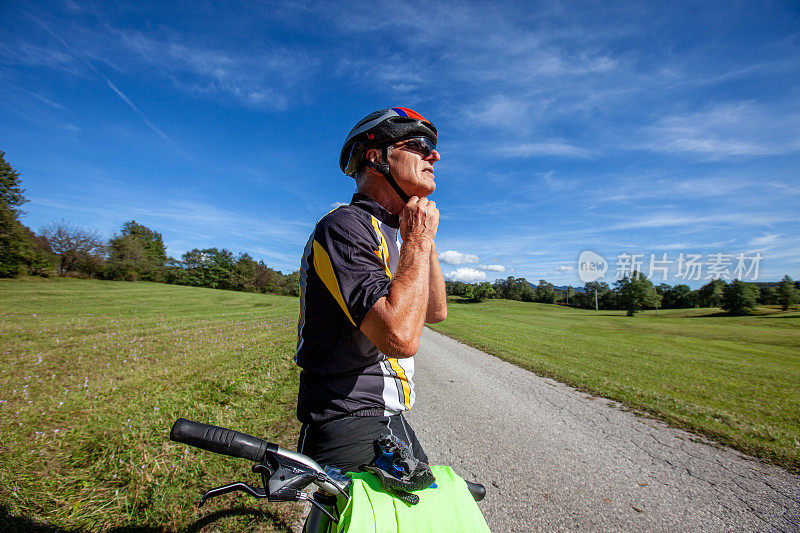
346,258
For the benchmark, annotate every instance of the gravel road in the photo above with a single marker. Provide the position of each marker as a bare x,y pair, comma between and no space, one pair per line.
556,459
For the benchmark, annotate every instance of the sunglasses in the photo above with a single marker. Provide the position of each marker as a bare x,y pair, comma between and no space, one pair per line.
420,145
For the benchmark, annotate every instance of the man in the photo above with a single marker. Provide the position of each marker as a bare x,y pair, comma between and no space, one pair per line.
363,299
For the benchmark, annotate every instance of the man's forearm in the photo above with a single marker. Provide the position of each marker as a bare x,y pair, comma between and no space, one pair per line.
408,294
394,324
437,294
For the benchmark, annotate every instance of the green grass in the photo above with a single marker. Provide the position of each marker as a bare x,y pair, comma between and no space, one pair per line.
734,379
94,373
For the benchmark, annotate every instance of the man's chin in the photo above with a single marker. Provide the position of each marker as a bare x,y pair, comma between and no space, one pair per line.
426,190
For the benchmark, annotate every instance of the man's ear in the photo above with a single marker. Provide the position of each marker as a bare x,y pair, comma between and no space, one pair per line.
374,155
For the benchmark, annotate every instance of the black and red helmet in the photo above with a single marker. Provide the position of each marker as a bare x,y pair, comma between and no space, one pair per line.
380,129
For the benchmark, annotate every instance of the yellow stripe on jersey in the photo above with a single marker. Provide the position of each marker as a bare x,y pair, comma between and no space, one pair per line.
383,253
401,375
324,268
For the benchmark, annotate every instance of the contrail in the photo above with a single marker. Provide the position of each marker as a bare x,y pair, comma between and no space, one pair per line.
119,93
143,117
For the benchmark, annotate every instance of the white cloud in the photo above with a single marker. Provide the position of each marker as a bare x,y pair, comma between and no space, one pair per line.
539,149
764,240
737,219
467,275
564,268
451,257
500,111
334,205
492,268
259,78
726,130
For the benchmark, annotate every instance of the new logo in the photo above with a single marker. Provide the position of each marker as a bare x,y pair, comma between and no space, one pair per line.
591,266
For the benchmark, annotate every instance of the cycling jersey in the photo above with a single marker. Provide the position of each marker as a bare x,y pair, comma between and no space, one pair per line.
347,266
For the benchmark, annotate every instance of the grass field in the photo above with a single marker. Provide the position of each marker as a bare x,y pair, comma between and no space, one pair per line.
92,376
735,379
93,373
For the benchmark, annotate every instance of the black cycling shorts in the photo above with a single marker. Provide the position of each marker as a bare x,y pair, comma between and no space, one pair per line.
347,443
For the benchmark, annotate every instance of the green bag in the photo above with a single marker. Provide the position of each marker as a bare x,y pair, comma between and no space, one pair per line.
448,506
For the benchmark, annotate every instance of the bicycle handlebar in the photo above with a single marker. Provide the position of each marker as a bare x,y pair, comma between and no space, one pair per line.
289,471
220,440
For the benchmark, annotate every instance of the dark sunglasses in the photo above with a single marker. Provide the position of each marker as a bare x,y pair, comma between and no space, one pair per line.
420,145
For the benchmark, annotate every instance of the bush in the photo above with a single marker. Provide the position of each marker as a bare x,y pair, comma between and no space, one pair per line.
739,297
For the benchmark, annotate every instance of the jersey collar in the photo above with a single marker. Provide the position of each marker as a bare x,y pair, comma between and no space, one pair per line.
375,209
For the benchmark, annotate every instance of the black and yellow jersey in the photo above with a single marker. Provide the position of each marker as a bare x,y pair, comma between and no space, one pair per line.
347,266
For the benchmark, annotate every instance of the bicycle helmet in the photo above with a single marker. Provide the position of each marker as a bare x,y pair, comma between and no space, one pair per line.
379,130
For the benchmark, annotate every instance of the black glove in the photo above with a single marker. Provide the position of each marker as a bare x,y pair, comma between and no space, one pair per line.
398,470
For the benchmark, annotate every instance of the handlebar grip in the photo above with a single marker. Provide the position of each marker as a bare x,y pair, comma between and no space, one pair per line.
477,490
219,440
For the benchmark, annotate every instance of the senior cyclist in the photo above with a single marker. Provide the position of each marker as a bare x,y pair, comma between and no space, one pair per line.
364,299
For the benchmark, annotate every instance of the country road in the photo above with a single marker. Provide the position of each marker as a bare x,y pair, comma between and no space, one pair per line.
556,459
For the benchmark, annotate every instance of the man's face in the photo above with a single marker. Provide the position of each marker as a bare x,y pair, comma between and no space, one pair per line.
412,168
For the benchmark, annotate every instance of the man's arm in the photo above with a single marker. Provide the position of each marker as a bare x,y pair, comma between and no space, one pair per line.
394,324
437,294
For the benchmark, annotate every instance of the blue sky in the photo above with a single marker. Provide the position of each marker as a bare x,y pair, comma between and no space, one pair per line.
628,129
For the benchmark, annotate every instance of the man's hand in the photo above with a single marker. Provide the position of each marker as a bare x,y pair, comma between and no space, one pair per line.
394,324
419,219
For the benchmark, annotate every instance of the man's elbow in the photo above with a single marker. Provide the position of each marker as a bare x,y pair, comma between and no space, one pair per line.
402,346
437,316
404,350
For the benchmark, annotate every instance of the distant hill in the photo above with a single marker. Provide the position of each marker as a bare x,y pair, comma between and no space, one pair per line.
560,287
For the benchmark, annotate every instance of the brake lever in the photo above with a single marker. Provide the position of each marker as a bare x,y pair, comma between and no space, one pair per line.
233,487
303,497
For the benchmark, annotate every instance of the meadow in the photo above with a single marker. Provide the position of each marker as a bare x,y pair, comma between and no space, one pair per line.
734,379
93,373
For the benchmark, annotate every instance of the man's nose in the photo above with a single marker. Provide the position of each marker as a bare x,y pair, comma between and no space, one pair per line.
434,156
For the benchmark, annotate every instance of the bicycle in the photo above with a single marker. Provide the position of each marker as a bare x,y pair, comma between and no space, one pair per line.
284,473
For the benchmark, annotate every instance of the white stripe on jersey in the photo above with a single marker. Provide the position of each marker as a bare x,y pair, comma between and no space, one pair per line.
393,394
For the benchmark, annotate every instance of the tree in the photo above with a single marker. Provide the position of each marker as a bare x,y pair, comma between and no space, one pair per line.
678,297
128,259
79,250
711,293
11,194
570,295
290,285
605,296
152,241
251,276
479,291
787,293
739,297
137,253
455,288
243,277
40,259
175,273
545,292
513,288
209,267
219,269
16,248
636,293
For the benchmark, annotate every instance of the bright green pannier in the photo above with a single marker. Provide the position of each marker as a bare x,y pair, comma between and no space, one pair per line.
447,507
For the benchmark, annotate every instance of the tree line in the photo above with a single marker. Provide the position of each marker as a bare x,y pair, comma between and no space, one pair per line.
135,253
138,253
635,293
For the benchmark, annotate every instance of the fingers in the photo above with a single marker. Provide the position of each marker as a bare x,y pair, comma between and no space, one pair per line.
419,218
422,203
413,201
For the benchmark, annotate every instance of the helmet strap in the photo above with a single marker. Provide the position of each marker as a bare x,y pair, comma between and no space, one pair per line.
383,168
